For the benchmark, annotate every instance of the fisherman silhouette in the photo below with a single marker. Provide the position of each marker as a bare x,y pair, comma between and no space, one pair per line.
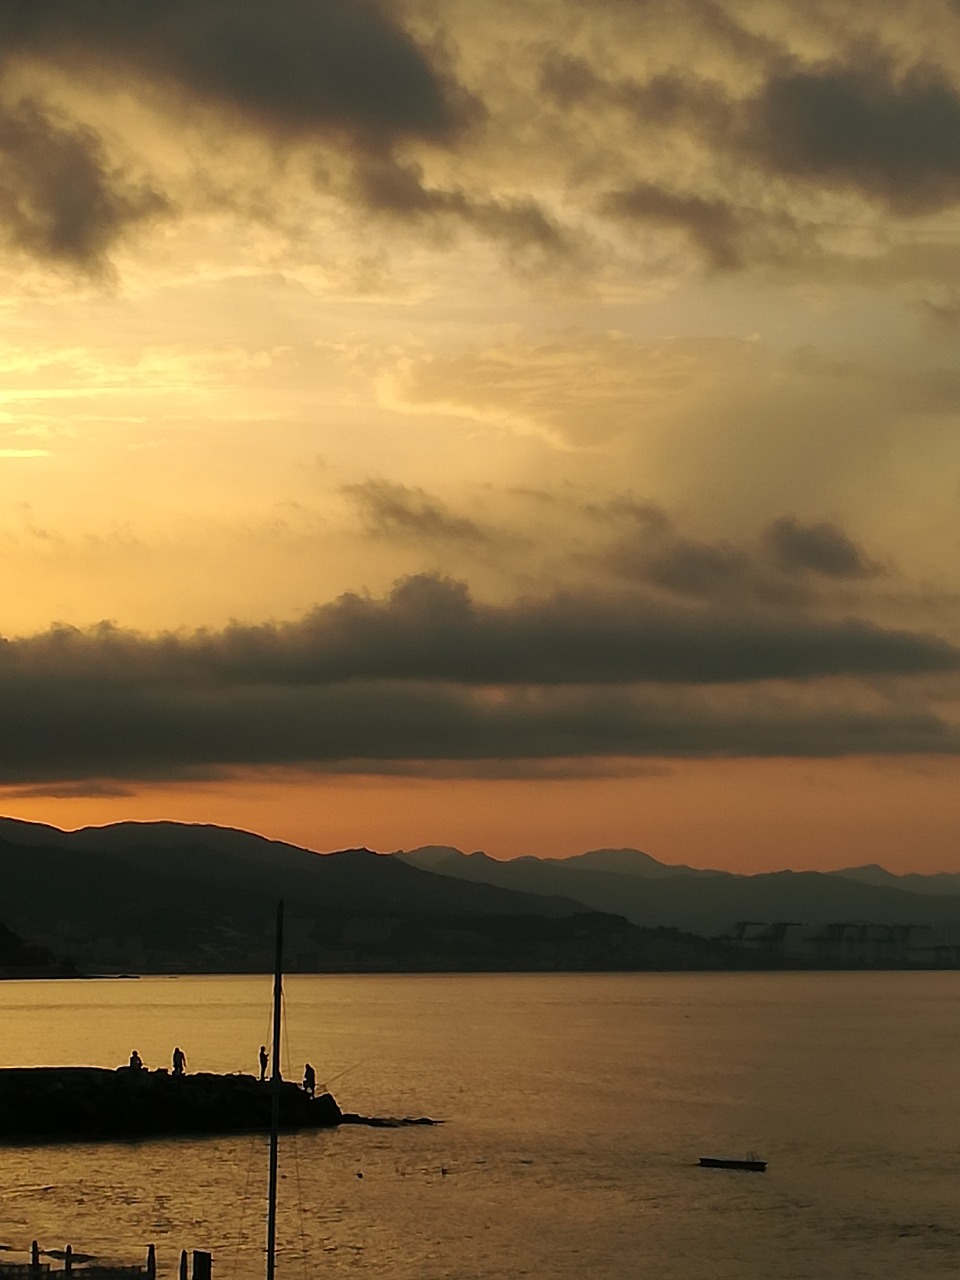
264,1059
309,1080
179,1061
136,1062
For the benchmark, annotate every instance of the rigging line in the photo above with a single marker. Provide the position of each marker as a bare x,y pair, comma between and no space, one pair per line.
330,1079
266,1039
269,1032
285,1026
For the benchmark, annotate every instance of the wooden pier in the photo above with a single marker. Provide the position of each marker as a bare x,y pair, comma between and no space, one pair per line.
54,1264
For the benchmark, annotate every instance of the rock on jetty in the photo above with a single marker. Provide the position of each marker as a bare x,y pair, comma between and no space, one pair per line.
65,1103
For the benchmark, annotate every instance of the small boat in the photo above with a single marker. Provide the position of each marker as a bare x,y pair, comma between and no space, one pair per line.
751,1164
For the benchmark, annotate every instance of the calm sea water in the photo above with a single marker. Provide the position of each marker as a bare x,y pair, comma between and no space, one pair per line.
575,1109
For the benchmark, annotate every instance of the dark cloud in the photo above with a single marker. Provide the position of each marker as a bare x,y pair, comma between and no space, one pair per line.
893,137
667,100
697,568
728,237
396,511
389,187
648,548
749,45
820,548
289,69
428,674
712,225
706,17
568,79
784,570
943,313
653,551
857,125
429,628
60,198
143,731
82,789
297,67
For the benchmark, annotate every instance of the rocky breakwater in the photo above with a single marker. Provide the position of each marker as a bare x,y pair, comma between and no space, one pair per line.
66,1103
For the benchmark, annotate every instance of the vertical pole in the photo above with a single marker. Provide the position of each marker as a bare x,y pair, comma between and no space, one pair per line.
275,1099
35,1259
183,1264
151,1262
201,1264
68,1259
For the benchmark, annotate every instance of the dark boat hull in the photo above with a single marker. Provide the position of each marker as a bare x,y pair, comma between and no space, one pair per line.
750,1166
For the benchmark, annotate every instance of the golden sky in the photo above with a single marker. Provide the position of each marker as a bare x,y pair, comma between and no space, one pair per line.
523,427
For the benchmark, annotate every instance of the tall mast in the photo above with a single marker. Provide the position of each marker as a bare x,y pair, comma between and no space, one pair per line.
275,1099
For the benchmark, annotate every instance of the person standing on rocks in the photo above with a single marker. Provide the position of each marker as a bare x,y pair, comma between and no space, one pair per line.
309,1081
179,1061
136,1062
264,1059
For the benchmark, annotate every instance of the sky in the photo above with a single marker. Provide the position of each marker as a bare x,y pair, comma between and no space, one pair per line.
529,427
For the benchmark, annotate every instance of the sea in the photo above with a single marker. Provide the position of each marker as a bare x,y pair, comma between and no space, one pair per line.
574,1109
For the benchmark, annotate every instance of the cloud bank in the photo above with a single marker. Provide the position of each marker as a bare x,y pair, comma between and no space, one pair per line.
426,674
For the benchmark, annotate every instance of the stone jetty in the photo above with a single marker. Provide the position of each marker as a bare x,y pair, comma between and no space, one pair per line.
76,1103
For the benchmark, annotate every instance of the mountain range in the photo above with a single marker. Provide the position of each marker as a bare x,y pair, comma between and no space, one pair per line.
170,896
655,894
167,896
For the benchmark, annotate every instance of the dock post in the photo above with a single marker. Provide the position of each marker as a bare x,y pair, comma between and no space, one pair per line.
183,1264
201,1264
151,1262
35,1260
68,1259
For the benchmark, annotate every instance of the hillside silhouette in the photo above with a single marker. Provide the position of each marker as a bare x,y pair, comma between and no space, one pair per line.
652,894
179,897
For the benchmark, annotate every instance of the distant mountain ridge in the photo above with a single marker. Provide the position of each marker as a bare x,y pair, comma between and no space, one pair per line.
620,861
633,862
172,896
161,896
709,902
939,882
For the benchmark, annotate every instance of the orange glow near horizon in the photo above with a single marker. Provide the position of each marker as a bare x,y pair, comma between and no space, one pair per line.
741,816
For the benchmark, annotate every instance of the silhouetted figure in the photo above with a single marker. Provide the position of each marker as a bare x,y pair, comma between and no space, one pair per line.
179,1061
309,1080
264,1059
136,1062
